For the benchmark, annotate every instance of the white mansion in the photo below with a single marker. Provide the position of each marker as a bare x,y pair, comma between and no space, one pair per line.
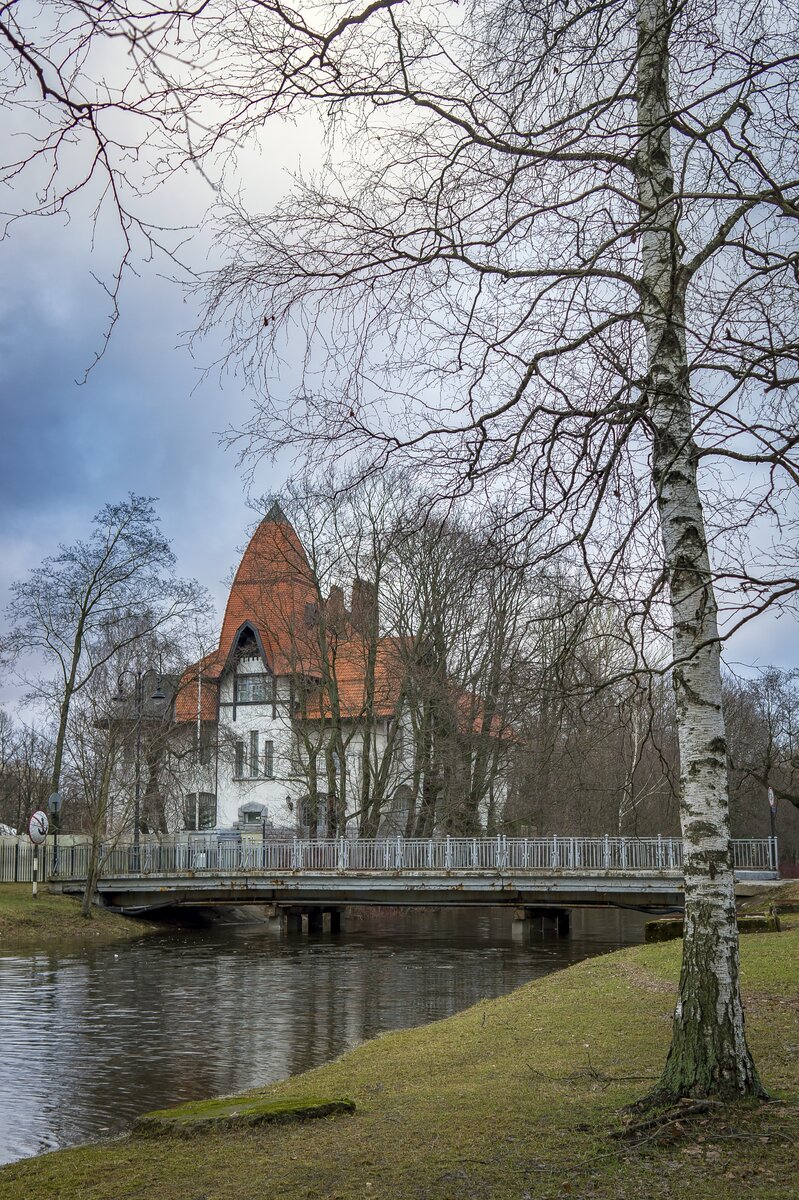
301,702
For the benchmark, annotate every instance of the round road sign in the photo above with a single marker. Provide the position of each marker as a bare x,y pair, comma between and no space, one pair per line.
38,827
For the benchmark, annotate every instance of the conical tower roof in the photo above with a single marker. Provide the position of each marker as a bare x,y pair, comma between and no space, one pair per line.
272,595
271,592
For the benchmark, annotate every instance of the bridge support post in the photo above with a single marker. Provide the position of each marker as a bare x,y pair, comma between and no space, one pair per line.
522,924
275,919
314,918
292,920
525,920
282,920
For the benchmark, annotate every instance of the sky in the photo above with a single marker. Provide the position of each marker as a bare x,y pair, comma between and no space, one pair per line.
143,421
146,420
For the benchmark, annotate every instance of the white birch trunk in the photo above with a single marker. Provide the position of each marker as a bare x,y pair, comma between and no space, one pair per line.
708,1051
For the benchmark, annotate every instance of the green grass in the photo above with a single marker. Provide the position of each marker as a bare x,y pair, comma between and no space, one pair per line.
515,1098
52,917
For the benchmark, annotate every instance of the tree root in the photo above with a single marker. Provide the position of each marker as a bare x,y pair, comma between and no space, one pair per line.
670,1116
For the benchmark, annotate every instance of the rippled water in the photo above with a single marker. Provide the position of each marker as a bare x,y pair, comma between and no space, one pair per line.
90,1039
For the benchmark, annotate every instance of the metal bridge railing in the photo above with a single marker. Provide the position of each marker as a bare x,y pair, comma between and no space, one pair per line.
215,855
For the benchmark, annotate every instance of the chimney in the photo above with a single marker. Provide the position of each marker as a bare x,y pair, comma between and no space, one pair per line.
334,609
364,606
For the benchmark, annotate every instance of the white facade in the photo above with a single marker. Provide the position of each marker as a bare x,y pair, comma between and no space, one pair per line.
256,763
252,761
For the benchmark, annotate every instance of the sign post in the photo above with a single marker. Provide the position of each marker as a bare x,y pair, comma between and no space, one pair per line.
37,832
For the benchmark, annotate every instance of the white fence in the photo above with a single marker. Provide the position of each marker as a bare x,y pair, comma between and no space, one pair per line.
214,854
16,856
16,860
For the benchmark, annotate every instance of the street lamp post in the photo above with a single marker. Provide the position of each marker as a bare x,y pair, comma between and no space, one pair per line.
137,783
138,713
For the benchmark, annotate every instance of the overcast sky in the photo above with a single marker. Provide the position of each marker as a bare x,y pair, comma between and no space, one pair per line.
145,421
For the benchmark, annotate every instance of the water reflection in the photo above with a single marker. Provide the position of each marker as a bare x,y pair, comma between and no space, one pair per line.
90,1039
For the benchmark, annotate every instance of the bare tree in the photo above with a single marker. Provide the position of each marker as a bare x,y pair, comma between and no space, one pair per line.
92,601
762,716
25,764
348,680
771,756
92,765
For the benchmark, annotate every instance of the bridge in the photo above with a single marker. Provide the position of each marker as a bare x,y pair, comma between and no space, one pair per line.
300,879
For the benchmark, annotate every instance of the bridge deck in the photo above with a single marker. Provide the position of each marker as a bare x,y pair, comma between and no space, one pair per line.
637,872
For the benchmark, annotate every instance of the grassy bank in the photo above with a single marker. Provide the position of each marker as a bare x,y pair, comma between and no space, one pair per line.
52,918
516,1097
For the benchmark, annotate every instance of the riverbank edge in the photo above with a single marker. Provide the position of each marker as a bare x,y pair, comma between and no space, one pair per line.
53,918
514,1097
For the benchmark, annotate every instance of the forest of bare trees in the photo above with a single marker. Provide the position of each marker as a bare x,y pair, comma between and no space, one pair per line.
513,680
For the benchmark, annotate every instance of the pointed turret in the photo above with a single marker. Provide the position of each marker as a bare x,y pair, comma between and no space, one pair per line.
268,602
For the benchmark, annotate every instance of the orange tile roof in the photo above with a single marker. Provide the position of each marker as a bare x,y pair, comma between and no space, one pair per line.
472,717
348,679
188,694
271,591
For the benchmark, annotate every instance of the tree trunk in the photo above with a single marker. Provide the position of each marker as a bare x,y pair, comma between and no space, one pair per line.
92,879
58,756
92,876
66,700
708,1051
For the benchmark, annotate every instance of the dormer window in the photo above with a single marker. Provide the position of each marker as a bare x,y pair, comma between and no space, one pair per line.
247,645
254,689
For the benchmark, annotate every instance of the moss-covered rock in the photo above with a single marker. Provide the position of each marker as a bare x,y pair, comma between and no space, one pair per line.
228,1112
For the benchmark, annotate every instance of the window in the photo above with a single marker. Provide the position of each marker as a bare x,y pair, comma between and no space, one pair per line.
269,760
238,768
202,814
207,811
253,752
253,689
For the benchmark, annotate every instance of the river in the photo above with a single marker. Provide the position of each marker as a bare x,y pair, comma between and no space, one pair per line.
91,1037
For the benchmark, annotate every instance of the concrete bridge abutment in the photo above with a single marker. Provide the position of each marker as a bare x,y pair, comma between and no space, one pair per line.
527,921
296,920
